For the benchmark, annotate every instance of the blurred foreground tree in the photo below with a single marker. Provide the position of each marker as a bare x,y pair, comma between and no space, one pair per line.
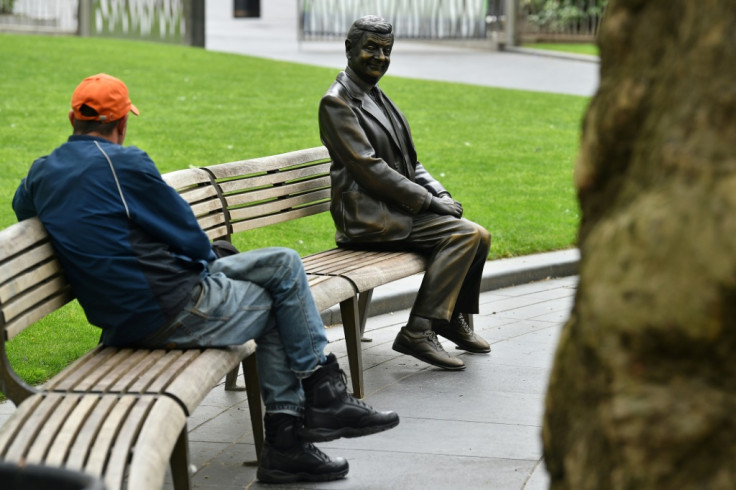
643,389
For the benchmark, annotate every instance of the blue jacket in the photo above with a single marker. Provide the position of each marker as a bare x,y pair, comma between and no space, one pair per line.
130,246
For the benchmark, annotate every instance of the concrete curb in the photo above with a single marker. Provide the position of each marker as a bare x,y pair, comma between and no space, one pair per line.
553,54
497,274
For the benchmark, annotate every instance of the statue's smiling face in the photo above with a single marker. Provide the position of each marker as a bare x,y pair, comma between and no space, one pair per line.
370,58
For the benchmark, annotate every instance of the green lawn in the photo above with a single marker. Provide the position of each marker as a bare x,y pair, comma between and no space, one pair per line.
577,48
506,155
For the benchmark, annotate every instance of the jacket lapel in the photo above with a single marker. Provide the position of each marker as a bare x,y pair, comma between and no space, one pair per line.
368,105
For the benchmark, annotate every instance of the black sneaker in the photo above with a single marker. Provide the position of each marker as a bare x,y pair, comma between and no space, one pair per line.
285,458
331,413
425,347
459,332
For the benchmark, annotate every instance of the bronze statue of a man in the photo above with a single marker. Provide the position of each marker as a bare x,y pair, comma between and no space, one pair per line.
383,198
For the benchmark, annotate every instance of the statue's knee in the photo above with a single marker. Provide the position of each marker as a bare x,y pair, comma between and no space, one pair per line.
485,237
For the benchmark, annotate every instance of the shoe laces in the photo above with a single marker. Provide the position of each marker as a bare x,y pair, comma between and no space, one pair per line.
346,395
308,447
432,337
461,323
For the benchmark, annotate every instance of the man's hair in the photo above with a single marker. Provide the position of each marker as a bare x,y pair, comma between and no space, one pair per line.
86,127
368,23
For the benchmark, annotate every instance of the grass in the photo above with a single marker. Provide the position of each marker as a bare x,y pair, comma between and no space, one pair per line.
577,48
506,155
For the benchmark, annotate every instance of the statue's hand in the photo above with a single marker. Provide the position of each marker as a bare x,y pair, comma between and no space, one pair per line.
446,205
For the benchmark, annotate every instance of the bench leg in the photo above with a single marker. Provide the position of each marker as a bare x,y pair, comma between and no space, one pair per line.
364,301
180,462
349,310
231,381
253,387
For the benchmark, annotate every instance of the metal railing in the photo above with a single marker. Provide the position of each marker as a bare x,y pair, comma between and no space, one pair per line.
43,16
412,19
173,21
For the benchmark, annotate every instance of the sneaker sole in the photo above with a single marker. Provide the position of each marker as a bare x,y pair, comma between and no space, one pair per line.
326,435
275,476
402,350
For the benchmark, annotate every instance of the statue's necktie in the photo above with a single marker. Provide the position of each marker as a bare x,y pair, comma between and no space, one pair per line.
398,129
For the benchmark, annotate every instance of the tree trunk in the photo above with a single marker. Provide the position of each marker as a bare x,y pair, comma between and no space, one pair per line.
643,389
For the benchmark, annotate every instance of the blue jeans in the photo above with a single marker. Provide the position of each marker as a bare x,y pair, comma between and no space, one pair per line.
263,295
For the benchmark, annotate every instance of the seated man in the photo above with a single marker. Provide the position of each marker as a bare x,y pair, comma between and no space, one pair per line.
383,198
144,271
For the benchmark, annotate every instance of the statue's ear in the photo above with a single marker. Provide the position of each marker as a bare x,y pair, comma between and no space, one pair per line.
348,45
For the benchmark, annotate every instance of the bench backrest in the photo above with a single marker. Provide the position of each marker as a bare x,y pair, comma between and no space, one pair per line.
226,198
231,197
32,285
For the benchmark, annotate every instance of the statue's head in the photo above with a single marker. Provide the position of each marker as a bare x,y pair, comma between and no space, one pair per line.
368,47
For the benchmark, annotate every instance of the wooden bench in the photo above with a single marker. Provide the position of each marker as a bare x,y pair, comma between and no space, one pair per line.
117,414
239,196
120,414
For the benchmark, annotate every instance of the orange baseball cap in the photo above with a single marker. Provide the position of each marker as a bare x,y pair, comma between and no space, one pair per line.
105,94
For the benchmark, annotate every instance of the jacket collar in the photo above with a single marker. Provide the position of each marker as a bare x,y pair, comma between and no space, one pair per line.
358,90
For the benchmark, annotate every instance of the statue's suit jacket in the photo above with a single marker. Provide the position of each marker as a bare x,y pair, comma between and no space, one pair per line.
377,187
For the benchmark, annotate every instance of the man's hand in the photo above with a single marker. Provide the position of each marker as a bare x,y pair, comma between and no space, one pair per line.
446,205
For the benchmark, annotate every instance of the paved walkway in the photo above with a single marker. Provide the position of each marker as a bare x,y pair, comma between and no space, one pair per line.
274,35
475,429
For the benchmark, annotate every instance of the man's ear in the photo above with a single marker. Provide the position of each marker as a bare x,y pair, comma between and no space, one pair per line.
121,129
122,125
71,117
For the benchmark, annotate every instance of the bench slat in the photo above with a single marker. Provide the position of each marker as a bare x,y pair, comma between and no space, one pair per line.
372,276
365,269
26,234
26,281
85,373
172,369
204,194
31,416
98,455
20,323
272,208
329,290
207,209
14,266
120,452
186,178
342,261
79,452
250,224
51,427
75,419
157,436
130,370
274,162
31,298
310,176
140,378
316,188
192,384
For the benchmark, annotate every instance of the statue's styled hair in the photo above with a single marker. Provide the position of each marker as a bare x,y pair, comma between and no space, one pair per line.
368,23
